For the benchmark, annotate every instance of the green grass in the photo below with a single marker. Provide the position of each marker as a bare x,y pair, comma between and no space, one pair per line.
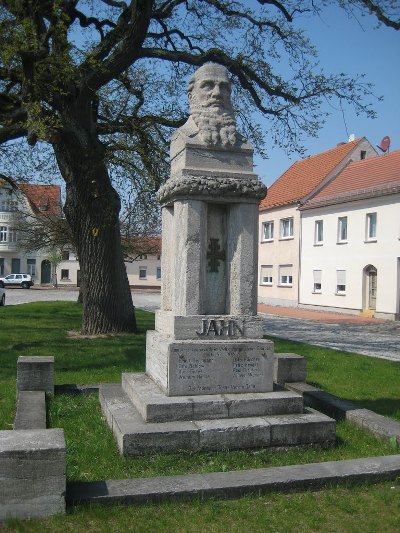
372,383
360,509
42,329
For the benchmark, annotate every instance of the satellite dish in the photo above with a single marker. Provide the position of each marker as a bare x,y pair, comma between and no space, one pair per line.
385,144
352,137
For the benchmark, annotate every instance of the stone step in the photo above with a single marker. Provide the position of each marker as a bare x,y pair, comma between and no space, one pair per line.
154,406
137,437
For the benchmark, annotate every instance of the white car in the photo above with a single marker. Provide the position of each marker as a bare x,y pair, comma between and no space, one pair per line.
2,296
17,280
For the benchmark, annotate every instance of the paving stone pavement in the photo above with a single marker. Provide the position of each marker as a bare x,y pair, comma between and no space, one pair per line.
373,338
381,339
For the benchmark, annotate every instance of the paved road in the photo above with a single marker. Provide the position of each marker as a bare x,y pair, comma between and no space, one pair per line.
150,301
380,340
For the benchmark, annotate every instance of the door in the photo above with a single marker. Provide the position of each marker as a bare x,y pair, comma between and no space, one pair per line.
372,288
15,265
45,271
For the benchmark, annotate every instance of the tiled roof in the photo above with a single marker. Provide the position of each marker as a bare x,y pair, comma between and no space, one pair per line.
142,245
45,199
360,179
305,175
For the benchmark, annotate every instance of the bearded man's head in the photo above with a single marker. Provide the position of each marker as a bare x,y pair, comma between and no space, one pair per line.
209,94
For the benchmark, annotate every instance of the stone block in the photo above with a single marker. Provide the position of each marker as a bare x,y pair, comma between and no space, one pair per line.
32,473
154,406
289,367
311,427
195,327
137,437
216,367
264,404
31,410
196,156
231,434
35,373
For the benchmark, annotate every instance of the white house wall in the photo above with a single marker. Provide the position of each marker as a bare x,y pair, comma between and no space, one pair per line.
150,265
353,256
276,253
67,272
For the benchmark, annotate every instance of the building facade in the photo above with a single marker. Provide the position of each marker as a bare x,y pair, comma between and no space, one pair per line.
60,268
26,199
350,253
280,222
144,271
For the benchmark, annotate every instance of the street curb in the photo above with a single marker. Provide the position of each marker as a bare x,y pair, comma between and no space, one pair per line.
234,484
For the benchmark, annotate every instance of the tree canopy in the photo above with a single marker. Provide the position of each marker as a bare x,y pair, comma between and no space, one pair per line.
101,84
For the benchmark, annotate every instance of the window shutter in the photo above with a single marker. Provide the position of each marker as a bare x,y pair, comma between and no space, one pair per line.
317,276
285,270
341,277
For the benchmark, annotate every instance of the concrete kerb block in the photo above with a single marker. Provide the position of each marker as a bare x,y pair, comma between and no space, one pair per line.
289,367
379,425
32,473
35,373
31,410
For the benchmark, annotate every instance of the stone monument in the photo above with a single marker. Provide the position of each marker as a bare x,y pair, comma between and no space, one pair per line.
209,373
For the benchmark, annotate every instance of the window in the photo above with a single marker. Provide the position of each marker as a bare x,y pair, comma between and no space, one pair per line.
342,229
65,255
64,274
31,266
143,256
340,282
287,228
267,231
319,232
317,276
142,272
158,273
12,235
371,227
286,275
363,154
8,205
158,257
266,275
3,233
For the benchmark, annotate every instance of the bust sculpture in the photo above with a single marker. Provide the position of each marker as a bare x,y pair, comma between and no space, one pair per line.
212,120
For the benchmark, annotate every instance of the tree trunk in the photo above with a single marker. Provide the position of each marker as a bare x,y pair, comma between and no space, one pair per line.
92,210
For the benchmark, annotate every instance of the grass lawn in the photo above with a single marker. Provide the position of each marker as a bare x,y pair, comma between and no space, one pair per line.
42,329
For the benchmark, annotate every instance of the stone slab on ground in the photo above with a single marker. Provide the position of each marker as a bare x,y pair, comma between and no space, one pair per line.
155,406
235,484
377,424
31,410
35,373
136,437
32,473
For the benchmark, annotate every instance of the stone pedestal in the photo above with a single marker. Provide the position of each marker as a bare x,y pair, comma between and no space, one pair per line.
209,373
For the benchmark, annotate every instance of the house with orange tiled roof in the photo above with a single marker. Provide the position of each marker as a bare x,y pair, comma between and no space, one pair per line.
30,200
350,243
280,221
143,254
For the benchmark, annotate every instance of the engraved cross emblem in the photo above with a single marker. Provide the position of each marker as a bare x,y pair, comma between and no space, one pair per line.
214,255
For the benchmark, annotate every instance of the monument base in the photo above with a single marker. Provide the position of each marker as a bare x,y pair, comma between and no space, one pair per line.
196,367
146,421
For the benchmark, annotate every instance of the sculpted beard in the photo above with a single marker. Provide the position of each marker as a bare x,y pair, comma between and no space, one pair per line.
215,128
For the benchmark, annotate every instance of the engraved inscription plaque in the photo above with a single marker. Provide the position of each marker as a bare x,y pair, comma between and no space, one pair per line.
218,368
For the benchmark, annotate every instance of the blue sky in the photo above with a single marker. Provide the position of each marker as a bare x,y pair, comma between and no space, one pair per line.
353,47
